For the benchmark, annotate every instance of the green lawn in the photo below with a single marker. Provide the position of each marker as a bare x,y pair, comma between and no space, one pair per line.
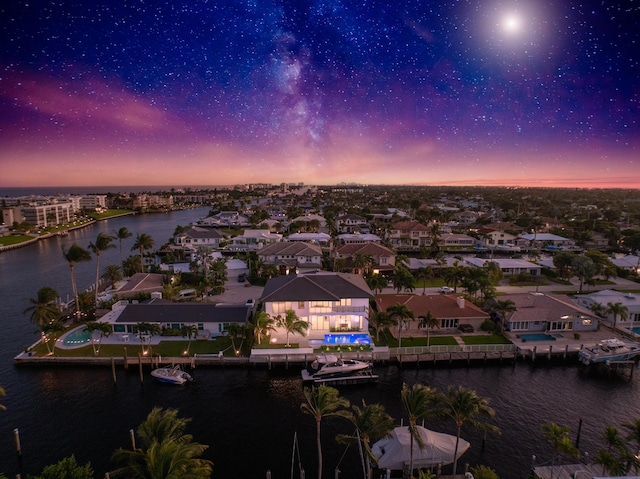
422,341
491,339
14,239
109,214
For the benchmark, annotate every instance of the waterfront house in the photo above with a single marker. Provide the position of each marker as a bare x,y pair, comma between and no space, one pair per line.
329,302
409,235
450,310
292,255
605,297
542,312
211,319
358,238
254,239
507,266
196,237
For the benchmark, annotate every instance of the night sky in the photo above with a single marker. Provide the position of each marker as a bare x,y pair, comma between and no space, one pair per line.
484,92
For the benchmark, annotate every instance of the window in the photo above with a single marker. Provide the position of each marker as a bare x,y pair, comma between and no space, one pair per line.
587,322
520,325
449,323
281,307
300,304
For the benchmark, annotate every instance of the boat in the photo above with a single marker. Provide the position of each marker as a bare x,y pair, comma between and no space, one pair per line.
328,368
609,350
171,375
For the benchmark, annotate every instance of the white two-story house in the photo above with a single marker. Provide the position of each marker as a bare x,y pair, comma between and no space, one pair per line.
329,302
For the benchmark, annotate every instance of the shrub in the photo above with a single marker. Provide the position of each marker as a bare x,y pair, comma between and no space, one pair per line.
489,326
483,472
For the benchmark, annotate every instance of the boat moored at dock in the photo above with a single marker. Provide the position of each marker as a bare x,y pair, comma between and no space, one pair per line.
329,369
171,375
609,350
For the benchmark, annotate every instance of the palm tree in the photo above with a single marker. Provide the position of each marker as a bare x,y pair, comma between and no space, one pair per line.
376,282
121,235
233,331
424,274
73,255
143,242
47,331
617,309
372,424
145,331
598,309
165,451
400,312
43,309
502,308
105,330
262,324
454,275
430,321
417,401
291,323
323,401
380,320
465,406
113,274
102,243
189,331
558,437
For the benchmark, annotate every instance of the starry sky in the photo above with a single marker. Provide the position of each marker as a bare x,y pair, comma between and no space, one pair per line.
197,92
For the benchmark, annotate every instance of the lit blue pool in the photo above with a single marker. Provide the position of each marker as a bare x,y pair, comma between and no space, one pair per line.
355,338
77,337
635,330
537,337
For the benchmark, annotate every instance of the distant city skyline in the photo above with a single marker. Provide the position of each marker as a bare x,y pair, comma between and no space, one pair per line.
489,93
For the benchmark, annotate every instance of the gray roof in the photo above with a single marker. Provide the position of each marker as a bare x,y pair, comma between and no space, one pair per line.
183,313
316,287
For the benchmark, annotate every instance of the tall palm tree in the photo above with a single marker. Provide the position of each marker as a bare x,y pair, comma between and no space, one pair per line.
102,243
43,309
464,406
376,282
417,401
112,273
121,235
49,331
401,313
145,331
143,242
292,324
372,423
104,329
262,325
189,331
502,308
617,309
75,254
233,331
379,321
323,401
430,321
558,437
165,451
454,275
424,274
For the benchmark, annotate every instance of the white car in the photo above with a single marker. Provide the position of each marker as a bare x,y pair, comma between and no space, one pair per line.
445,289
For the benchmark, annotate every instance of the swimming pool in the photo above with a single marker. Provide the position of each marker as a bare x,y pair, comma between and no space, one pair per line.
76,338
536,337
635,330
355,338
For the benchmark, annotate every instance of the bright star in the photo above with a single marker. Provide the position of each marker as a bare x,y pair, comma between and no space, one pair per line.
511,23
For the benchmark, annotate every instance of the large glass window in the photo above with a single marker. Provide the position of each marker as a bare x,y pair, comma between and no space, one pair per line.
450,323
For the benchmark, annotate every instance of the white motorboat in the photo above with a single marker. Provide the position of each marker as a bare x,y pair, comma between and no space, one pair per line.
171,375
329,366
608,350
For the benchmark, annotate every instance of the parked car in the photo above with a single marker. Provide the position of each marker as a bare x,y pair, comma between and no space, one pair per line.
445,289
241,278
251,303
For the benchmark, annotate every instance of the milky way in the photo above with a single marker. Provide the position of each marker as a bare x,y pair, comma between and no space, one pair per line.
212,93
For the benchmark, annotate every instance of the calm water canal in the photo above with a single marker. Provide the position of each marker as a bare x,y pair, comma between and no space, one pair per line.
248,417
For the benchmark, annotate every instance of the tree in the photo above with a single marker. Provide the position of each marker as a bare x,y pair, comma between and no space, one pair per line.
562,261
417,401
43,309
145,331
424,274
372,423
454,275
617,310
165,451
503,308
143,242
104,329
73,255
292,324
400,313
379,321
131,265
558,437
121,235
464,406
376,282
102,243
113,274
262,324
430,321
323,401
583,268
67,468
233,331
189,331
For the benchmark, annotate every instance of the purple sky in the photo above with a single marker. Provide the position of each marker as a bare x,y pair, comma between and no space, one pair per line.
542,93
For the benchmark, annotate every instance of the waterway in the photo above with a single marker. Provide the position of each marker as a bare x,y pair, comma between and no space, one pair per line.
249,417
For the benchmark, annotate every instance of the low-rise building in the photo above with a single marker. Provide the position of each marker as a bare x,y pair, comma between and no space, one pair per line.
298,256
